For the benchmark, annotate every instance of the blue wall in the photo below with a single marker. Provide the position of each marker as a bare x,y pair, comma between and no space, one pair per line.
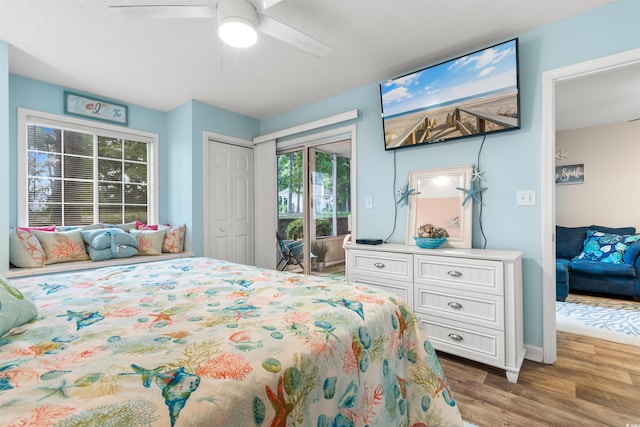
511,160
180,147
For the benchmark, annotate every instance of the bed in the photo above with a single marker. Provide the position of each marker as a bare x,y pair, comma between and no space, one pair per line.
203,342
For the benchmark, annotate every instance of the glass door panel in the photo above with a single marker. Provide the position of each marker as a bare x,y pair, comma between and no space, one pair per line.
314,207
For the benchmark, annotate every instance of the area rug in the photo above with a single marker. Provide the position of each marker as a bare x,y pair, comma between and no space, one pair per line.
604,318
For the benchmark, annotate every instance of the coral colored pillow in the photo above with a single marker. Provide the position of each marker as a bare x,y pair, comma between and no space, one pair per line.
149,241
174,239
143,226
15,309
62,246
25,250
45,228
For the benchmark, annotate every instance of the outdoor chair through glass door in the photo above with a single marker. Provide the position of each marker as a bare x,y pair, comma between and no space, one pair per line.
314,206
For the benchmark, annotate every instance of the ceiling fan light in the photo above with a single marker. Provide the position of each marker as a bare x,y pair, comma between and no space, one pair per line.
237,32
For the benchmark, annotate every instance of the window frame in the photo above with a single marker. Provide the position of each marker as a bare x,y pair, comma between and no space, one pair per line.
26,116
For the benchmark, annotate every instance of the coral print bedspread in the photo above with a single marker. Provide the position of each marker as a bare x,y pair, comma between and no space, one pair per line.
201,342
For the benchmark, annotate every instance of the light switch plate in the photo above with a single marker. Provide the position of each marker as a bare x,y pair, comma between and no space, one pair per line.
526,198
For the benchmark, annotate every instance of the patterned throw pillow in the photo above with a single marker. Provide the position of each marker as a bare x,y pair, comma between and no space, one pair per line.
605,247
149,241
143,226
15,309
174,239
62,246
25,250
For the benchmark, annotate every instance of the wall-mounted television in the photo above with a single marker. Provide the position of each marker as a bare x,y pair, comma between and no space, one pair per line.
471,95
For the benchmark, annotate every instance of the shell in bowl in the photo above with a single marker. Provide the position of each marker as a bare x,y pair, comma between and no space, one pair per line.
429,243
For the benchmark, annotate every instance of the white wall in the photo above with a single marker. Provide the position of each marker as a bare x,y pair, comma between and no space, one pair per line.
610,195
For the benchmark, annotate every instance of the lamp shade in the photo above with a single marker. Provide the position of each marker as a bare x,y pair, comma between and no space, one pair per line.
237,21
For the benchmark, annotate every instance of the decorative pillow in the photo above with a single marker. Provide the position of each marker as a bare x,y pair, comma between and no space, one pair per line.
143,226
149,241
63,246
15,309
25,250
109,243
128,226
95,226
606,247
174,239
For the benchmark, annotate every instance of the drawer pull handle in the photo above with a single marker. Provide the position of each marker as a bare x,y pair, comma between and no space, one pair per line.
455,305
454,273
456,337
379,265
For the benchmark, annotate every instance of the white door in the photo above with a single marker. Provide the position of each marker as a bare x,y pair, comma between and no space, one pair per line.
230,203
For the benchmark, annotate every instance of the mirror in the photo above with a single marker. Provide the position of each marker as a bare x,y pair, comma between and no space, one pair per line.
438,202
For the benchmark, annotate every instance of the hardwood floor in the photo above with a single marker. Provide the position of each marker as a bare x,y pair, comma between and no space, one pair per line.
593,383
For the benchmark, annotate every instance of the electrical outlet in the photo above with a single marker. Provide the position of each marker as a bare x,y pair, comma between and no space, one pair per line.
368,202
526,198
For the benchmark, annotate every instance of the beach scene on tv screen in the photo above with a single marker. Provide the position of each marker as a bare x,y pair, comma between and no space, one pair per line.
470,95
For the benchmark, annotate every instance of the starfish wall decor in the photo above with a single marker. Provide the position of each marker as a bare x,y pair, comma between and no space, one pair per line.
404,193
472,193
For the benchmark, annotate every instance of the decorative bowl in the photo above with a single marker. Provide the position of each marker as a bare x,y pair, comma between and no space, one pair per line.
428,243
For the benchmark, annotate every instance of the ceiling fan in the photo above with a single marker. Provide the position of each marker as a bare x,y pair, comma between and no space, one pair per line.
238,22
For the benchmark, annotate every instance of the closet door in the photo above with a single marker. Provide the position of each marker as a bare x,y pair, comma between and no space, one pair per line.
230,203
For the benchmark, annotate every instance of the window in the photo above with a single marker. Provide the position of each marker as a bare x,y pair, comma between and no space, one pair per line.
76,173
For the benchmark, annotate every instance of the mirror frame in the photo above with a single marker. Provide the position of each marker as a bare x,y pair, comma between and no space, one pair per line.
465,172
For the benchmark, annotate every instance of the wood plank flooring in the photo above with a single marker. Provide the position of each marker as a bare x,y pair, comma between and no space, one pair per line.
593,383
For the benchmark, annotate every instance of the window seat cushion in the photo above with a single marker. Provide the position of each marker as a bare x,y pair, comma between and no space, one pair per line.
87,265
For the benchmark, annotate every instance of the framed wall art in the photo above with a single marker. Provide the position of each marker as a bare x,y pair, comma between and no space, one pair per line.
95,108
570,174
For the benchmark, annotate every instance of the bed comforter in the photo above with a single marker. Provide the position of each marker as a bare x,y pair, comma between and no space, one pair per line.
201,342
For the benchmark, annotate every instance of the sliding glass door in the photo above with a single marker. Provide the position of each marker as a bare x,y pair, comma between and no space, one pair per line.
314,207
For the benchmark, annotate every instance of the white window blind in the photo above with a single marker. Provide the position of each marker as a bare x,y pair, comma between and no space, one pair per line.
78,174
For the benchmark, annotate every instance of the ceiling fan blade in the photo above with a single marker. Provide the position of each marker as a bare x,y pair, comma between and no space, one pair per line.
150,11
292,36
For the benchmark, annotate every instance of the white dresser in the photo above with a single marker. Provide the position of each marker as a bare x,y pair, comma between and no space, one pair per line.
469,301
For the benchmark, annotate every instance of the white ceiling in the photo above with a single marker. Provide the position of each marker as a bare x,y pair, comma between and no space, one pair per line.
161,64
610,96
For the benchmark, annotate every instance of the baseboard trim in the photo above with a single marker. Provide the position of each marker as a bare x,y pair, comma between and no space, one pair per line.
534,353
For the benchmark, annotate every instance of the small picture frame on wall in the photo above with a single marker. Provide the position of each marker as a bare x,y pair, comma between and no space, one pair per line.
570,174
95,108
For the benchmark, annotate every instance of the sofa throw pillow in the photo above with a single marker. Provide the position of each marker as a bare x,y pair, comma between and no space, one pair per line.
174,239
149,241
62,246
569,241
605,247
25,250
15,308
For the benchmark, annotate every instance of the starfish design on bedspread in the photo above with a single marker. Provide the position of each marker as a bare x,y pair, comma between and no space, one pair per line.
161,316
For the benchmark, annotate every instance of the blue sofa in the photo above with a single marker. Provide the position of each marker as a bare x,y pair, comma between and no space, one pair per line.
577,272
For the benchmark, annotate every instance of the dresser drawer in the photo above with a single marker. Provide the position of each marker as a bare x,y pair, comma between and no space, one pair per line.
392,266
478,309
475,275
462,339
